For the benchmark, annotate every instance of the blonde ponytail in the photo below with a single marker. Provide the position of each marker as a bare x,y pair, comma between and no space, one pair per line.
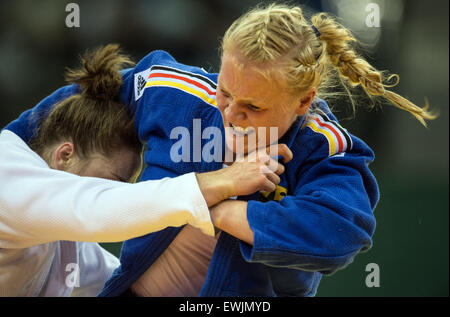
356,70
308,54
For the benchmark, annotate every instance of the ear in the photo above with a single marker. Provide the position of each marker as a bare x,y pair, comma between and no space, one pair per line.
306,101
64,155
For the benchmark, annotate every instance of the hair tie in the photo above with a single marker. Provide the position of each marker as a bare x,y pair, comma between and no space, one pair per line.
316,31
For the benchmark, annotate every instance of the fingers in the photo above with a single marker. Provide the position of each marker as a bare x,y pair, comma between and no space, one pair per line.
274,178
275,167
276,150
272,151
271,179
283,151
272,164
268,186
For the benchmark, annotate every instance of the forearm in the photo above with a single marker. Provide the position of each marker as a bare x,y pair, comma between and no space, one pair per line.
231,217
38,204
85,211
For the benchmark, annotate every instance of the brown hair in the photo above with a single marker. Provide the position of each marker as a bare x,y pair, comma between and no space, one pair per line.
94,120
278,35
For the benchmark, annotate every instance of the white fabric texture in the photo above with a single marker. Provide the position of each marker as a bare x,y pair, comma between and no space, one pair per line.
40,206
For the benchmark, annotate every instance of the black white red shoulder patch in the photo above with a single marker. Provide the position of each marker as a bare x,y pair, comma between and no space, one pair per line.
164,76
338,138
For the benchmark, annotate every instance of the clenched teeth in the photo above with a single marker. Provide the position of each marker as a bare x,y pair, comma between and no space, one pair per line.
242,131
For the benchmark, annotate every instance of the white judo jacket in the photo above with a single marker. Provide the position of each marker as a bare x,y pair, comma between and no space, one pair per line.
51,221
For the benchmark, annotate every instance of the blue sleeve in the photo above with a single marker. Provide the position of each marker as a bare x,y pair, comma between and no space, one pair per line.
324,224
25,126
163,93
131,86
133,94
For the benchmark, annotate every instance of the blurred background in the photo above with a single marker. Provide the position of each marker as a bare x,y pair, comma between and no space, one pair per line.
411,238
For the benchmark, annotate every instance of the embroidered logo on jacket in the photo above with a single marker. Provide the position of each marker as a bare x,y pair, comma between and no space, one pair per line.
276,195
163,76
338,138
140,85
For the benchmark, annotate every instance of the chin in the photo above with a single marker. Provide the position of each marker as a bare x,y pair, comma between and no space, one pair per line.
231,144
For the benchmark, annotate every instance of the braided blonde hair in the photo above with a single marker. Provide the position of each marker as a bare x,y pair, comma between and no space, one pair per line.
278,35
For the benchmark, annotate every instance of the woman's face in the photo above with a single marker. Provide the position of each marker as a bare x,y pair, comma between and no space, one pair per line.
122,165
248,101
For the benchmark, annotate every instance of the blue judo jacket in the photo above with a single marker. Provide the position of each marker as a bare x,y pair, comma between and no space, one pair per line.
314,223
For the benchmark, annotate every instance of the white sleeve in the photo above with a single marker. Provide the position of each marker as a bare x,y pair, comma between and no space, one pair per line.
96,265
39,204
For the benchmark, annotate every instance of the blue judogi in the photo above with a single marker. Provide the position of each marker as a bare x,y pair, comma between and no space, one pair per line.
318,219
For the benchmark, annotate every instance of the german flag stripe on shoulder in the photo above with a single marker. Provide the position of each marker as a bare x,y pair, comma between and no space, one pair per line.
206,80
163,76
338,138
341,129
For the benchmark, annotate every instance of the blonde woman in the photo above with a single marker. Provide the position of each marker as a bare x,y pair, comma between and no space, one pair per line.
274,65
320,216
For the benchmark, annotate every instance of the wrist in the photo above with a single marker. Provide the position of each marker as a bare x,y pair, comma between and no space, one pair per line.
231,216
216,214
214,188
220,212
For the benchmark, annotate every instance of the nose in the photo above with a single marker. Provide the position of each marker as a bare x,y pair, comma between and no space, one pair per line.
234,113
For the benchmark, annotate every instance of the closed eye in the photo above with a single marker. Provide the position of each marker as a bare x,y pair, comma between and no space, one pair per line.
225,93
253,107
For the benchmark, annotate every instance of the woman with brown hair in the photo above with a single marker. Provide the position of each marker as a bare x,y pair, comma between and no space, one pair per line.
46,208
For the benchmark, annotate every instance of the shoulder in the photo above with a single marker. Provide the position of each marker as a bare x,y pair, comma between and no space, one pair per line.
160,69
164,59
328,133
322,135
26,124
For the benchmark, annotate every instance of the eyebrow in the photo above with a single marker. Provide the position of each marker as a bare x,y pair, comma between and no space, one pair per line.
247,101
220,86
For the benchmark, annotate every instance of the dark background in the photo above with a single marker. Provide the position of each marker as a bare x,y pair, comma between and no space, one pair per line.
411,238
